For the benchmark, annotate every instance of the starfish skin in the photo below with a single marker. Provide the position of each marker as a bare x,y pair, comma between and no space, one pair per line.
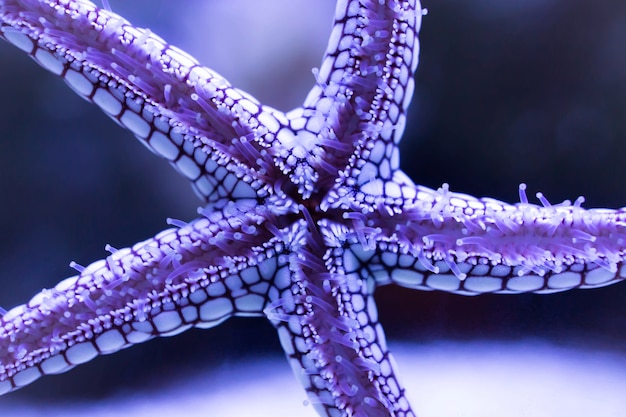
301,224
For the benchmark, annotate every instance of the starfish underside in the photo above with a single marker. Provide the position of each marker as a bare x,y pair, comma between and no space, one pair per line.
305,213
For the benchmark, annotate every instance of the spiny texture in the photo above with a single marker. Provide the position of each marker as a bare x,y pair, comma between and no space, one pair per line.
306,213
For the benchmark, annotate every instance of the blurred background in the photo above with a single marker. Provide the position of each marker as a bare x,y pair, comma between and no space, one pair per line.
507,91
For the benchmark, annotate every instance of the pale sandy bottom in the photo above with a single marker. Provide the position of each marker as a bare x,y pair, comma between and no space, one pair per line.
478,379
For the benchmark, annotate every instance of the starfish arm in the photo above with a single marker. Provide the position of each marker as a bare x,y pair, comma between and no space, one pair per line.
364,87
213,134
454,242
182,277
328,325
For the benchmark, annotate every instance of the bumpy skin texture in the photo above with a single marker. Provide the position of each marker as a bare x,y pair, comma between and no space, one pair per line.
306,212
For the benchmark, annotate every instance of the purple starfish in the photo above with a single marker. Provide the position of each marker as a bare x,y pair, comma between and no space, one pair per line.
306,212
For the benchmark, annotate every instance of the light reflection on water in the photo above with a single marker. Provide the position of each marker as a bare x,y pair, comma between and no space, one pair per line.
476,379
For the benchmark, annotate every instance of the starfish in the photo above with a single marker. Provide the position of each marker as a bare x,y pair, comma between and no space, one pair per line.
305,214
